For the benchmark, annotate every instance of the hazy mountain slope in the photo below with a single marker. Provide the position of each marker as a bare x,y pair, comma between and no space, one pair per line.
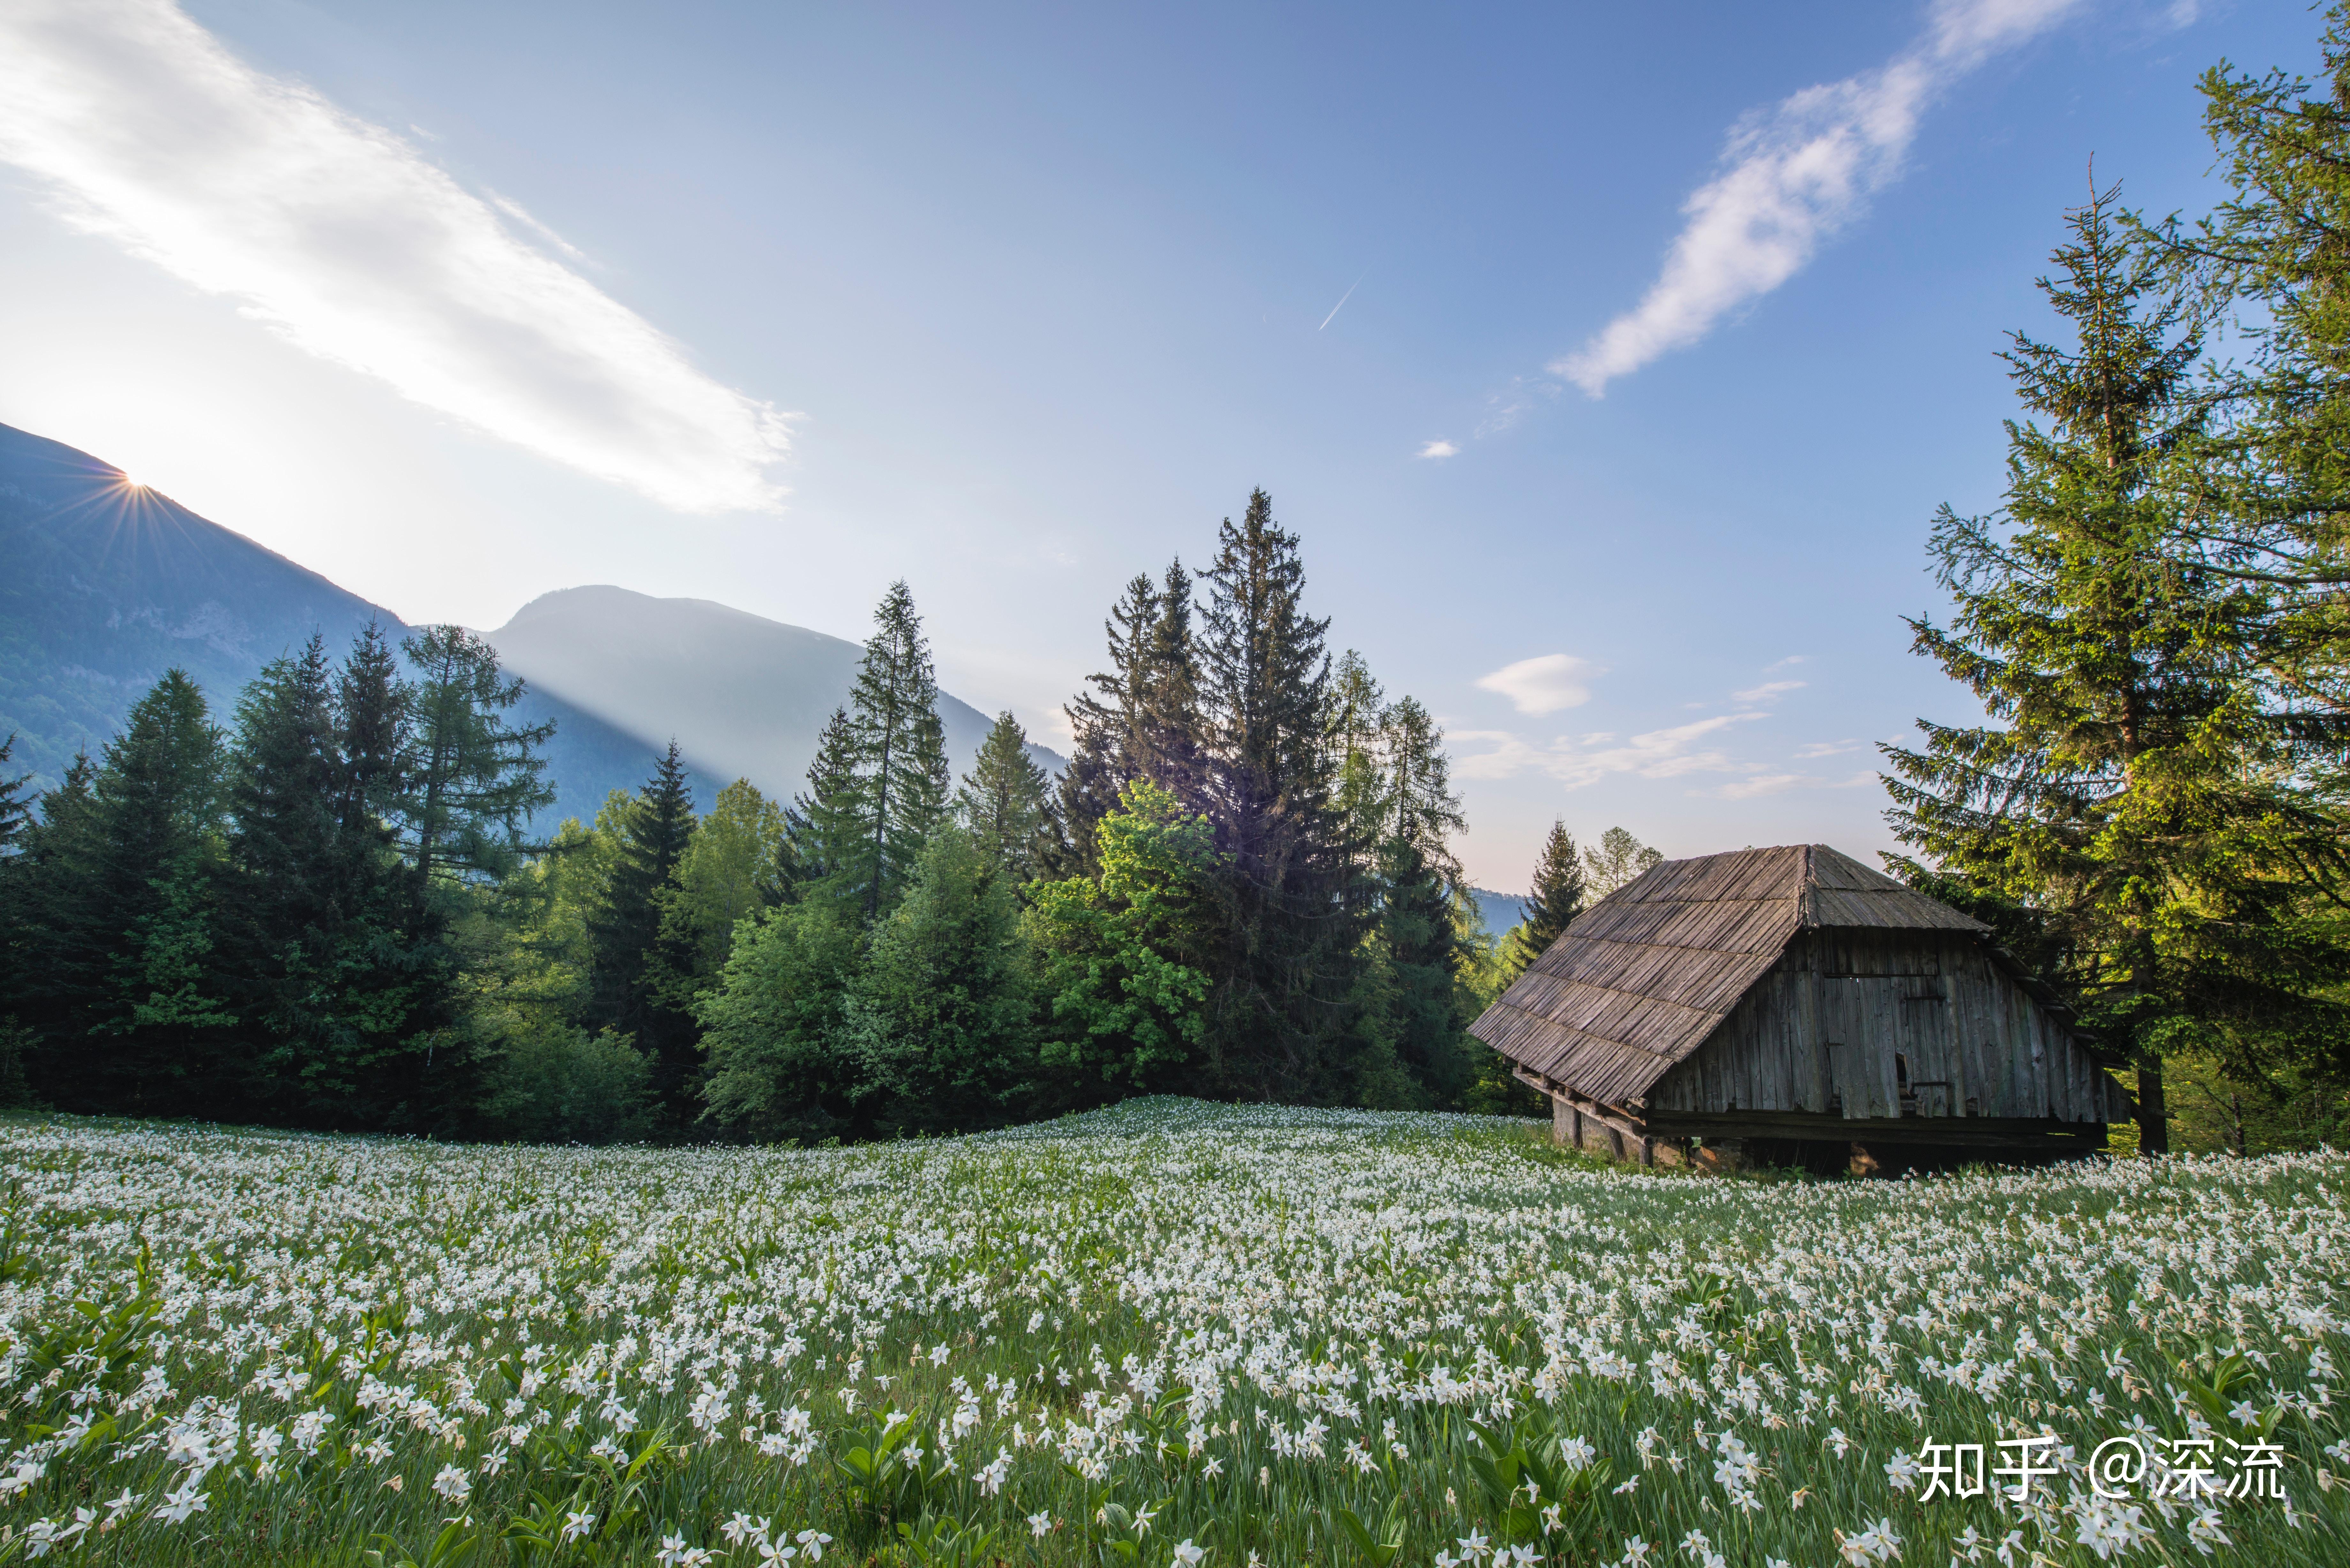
744,696
1500,910
104,585
108,584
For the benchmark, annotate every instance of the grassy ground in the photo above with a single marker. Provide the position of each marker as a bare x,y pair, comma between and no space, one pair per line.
1166,1334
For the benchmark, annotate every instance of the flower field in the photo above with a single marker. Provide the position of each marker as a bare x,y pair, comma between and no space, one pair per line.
1165,1334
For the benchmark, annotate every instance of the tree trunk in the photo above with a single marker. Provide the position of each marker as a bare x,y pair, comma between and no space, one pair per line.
2236,1123
2153,1112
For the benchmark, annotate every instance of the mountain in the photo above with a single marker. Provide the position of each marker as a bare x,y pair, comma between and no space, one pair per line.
744,696
1500,910
108,584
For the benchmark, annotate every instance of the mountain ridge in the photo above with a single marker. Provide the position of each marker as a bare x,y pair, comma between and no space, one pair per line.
111,582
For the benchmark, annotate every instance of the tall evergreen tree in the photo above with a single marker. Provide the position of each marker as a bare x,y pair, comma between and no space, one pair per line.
633,985
2142,784
1106,722
471,779
1141,720
1003,801
62,935
149,907
829,827
1357,745
1279,1015
1558,895
893,712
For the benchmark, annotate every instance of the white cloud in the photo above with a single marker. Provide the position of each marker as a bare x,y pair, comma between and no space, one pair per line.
1439,449
340,237
1828,749
1543,685
1768,690
1796,174
1761,783
1791,658
1655,755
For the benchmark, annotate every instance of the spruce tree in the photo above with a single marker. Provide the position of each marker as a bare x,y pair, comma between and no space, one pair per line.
901,765
1559,894
1003,801
1168,731
1279,1014
1107,724
825,833
1356,740
2141,783
633,988
152,900
62,940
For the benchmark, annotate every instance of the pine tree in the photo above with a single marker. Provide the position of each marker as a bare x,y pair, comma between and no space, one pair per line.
1279,1015
1003,801
16,806
634,982
2141,782
64,942
1560,893
470,780
901,762
1168,731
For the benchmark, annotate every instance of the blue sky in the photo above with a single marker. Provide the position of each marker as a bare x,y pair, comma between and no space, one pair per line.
771,303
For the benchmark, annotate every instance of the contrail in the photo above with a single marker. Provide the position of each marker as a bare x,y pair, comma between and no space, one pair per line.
1342,302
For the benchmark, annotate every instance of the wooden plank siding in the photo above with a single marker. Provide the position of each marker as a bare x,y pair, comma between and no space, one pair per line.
1845,1021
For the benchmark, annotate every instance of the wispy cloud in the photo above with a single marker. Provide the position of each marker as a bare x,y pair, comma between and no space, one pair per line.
1768,692
1439,449
1762,782
1576,761
1793,175
1828,749
1543,685
341,237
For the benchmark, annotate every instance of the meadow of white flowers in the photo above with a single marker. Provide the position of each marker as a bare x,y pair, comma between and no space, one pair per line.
1166,1334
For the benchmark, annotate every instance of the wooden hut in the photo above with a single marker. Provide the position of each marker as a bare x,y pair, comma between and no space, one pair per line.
1792,997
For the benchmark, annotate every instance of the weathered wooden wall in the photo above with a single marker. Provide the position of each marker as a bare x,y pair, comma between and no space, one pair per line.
1822,1030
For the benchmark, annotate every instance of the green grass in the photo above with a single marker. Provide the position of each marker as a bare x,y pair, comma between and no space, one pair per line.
1295,1336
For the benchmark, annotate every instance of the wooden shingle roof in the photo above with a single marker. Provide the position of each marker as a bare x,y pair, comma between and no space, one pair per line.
1639,979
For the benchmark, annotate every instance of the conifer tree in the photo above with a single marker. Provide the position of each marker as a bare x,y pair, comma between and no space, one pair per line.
1141,720
2141,784
829,828
1003,801
1107,722
1279,1013
1356,740
1559,894
151,899
61,934
901,765
471,779
634,982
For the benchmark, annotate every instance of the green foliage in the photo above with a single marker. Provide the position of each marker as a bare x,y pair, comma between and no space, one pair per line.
1123,959
638,958
940,1014
469,779
728,872
1004,802
559,1083
772,1025
1614,862
2143,788
901,765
